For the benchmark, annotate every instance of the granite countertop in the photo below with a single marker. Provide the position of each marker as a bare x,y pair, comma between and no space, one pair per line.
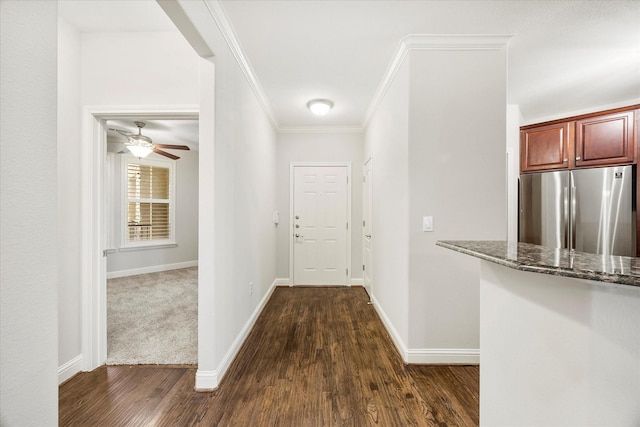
559,262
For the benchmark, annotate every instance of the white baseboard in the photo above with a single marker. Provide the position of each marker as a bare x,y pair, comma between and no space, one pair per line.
209,380
151,269
284,281
444,356
281,281
427,356
69,369
206,380
395,336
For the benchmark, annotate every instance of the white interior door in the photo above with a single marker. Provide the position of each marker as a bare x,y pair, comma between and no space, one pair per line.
320,225
367,237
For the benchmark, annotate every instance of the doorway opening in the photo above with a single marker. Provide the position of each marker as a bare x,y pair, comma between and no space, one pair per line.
96,213
367,227
152,242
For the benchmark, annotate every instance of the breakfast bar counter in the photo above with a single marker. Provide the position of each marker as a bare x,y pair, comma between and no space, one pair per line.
559,335
558,262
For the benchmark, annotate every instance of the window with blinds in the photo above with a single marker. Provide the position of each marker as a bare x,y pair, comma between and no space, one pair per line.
149,202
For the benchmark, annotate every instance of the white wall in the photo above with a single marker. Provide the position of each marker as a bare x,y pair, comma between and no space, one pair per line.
69,131
245,194
513,169
438,142
387,142
186,222
457,174
557,351
158,68
245,198
28,220
319,147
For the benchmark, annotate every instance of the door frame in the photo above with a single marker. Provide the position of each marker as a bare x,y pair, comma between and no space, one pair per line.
369,164
94,219
292,167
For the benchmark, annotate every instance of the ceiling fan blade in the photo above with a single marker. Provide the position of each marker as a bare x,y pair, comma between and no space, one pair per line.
122,132
164,153
172,147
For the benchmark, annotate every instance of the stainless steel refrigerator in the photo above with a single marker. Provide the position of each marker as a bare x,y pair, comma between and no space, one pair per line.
589,210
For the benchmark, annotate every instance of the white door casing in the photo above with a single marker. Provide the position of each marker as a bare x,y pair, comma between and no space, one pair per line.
94,219
320,222
367,236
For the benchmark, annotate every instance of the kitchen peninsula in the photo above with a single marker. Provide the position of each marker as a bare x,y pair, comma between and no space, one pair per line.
559,335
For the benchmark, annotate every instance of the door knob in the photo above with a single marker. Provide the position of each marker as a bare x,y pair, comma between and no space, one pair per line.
297,225
299,235
297,217
368,236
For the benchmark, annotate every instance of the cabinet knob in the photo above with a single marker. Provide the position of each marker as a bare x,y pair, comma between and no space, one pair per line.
565,160
578,158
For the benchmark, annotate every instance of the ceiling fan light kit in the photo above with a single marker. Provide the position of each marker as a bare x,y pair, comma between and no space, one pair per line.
140,151
141,146
320,107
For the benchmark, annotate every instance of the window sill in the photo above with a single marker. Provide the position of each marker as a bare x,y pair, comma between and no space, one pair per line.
147,247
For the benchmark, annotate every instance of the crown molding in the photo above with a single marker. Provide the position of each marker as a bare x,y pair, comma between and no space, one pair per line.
389,76
320,129
217,12
455,41
435,42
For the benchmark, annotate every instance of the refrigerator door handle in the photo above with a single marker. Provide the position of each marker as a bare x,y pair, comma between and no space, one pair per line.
573,218
565,217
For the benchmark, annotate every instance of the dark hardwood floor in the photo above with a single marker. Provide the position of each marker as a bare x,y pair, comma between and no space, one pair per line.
316,357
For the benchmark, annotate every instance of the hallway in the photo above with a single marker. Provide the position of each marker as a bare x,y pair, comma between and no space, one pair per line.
316,357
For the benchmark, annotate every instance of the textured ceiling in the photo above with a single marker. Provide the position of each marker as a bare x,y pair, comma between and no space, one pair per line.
564,56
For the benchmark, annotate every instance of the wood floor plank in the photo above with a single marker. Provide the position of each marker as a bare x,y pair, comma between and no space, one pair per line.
315,357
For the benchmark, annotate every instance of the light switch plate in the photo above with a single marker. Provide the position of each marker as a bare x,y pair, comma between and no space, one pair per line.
427,223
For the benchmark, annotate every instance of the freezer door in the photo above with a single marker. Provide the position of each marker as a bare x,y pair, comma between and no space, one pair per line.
544,209
604,214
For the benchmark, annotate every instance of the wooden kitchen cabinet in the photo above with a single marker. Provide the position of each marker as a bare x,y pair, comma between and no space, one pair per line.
545,147
605,140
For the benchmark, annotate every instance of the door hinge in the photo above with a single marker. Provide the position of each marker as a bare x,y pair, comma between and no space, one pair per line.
362,267
347,271
347,180
364,179
347,226
363,222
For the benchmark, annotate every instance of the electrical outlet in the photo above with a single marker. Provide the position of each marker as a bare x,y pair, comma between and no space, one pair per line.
250,288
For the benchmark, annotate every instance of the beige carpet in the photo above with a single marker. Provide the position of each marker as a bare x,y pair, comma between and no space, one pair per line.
153,318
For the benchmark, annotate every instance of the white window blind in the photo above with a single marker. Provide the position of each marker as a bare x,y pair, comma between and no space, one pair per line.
149,202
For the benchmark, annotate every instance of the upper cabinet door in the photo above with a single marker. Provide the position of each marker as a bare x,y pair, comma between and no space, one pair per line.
545,147
605,140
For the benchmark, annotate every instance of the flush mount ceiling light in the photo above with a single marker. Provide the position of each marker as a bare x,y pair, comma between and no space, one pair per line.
320,107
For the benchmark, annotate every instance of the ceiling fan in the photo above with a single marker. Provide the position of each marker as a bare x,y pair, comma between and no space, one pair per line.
141,146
